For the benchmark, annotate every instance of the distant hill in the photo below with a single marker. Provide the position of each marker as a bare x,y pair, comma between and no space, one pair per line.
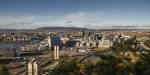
60,29
68,29
16,30
46,29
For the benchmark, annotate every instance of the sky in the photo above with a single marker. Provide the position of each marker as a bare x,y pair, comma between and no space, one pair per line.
24,14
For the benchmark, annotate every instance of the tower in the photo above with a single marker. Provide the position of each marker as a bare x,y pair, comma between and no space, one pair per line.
49,42
87,44
35,68
89,35
94,44
81,44
77,44
29,68
83,33
32,68
56,52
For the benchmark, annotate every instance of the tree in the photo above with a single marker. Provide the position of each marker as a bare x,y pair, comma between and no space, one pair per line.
147,42
4,70
66,67
110,65
128,46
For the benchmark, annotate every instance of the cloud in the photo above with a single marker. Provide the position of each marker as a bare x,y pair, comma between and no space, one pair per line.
78,19
95,19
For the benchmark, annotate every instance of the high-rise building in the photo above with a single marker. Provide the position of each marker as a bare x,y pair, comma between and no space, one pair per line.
55,41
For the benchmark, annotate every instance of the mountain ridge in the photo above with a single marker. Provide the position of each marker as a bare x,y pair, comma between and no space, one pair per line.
65,29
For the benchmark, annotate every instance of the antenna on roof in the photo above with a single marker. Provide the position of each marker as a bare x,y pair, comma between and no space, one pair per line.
138,28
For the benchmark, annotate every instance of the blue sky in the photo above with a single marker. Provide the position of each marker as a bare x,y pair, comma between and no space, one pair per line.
73,13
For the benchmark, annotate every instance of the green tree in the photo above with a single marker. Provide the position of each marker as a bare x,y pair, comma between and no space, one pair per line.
110,65
147,42
66,67
4,70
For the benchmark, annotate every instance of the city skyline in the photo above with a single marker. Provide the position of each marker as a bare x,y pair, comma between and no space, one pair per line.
73,13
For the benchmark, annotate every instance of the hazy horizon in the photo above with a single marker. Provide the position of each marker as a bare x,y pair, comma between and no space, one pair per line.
26,14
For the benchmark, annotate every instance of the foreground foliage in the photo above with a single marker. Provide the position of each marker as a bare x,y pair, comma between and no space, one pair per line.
127,59
4,70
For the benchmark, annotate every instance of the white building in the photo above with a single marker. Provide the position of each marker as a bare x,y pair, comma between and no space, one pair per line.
105,42
49,42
